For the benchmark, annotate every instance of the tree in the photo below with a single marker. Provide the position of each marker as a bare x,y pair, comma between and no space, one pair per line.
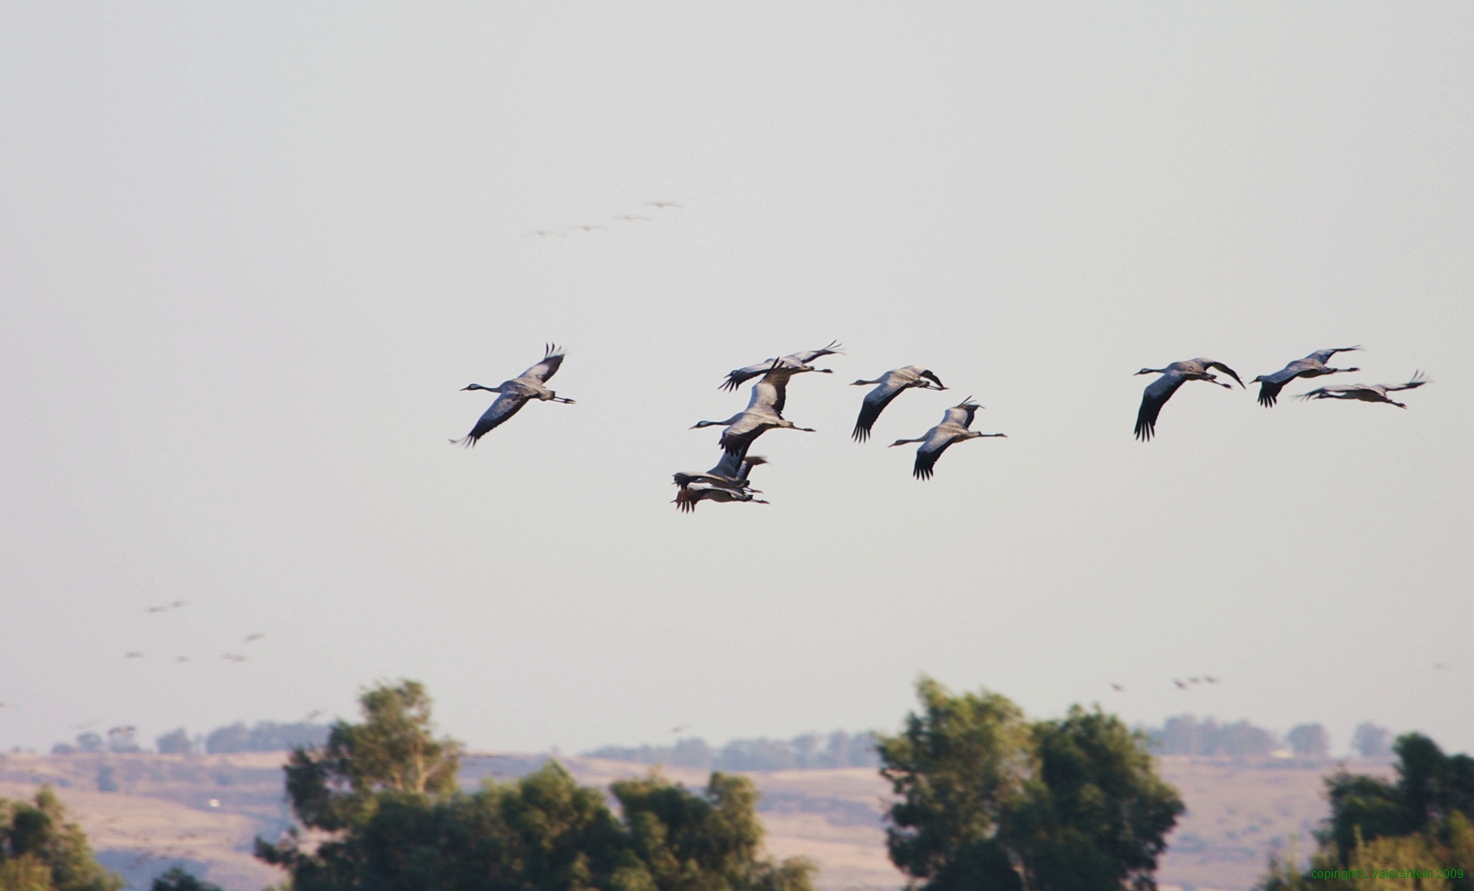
957,766
1309,741
1420,820
1094,814
1370,741
990,801
41,851
175,742
378,807
710,842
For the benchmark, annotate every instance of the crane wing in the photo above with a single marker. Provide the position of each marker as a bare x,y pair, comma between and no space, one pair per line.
552,358
1153,398
928,453
1417,381
1324,356
962,414
807,356
1209,363
739,376
506,405
875,402
770,393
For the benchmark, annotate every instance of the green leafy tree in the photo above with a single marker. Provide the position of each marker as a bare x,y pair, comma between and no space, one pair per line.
393,750
957,766
1419,821
41,851
991,801
1094,814
379,808
709,842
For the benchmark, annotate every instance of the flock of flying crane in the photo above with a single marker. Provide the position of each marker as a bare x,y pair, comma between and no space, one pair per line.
728,481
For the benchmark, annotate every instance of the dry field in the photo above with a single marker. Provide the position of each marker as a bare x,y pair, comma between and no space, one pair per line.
203,812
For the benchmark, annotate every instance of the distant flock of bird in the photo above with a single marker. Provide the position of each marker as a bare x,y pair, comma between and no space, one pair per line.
591,228
729,480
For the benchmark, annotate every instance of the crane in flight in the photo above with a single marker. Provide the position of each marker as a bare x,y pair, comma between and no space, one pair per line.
1173,376
515,393
721,484
795,363
1313,365
953,429
1367,392
890,385
730,472
764,412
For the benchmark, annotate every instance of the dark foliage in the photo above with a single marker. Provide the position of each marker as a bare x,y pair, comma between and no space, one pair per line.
177,879
991,801
39,849
1419,821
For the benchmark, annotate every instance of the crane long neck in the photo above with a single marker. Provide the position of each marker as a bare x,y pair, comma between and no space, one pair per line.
727,423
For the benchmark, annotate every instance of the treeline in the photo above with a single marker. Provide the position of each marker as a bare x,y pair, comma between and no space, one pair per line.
264,736
811,751
1188,735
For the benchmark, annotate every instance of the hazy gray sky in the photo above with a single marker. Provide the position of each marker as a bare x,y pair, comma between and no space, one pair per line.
251,253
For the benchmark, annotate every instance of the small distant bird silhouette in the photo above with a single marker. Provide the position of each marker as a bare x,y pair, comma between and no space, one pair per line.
1194,680
680,728
543,233
176,604
233,657
133,654
591,228
1313,365
515,393
1173,376
953,429
157,609
257,636
630,218
316,713
1210,679
1118,688
660,204
1367,392
1439,666
1180,684
890,385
